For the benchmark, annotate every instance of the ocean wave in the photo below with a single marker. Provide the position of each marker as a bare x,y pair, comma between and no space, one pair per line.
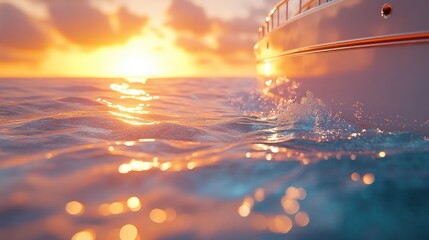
233,163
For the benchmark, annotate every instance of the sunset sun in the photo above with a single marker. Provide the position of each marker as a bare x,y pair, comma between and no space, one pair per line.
133,64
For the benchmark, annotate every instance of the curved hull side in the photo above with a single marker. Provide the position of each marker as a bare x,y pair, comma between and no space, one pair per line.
390,84
377,68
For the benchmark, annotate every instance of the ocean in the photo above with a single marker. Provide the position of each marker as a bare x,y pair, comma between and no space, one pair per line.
199,158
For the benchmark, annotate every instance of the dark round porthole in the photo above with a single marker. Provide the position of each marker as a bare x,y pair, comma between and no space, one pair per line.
386,11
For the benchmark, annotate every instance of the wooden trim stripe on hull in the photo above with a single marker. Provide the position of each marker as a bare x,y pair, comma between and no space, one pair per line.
391,40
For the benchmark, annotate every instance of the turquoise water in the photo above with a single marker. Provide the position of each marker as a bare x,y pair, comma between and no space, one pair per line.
205,158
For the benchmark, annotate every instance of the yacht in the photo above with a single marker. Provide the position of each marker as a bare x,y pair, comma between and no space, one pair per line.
367,60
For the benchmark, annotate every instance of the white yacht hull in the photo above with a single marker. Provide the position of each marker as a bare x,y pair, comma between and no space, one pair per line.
365,67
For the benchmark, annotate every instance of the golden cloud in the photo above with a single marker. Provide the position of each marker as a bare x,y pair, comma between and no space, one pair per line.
234,39
84,25
185,16
20,35
26,39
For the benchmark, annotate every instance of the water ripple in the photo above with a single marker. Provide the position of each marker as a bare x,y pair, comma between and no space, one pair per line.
199,159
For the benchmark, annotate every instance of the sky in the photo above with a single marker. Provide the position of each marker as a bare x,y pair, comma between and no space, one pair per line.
123,38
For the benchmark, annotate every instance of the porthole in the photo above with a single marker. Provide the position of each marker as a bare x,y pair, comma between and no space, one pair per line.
386,11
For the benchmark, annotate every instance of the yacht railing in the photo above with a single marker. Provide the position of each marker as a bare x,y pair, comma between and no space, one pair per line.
285,10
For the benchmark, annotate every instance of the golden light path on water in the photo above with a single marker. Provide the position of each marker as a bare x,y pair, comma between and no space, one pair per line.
133,103
133,107
193,159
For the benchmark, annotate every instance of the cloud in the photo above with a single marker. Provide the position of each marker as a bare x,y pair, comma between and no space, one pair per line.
87,26
18,31
15,56
229,44
193,45
185,16
240,25
7,56
22,39
129,24
233,39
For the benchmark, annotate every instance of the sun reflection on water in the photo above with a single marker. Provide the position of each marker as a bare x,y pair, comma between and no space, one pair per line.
139,158
116,208
128,232
129,181
292,215
280,223
158,215
368,178
133,102
84,235
302,219
134,204
74,208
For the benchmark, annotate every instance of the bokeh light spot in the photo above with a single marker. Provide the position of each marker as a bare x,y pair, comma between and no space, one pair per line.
280,224
290,206
116,208
355,176
74,208
128,232
84,235
158,215
134,204
302,219
368,178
